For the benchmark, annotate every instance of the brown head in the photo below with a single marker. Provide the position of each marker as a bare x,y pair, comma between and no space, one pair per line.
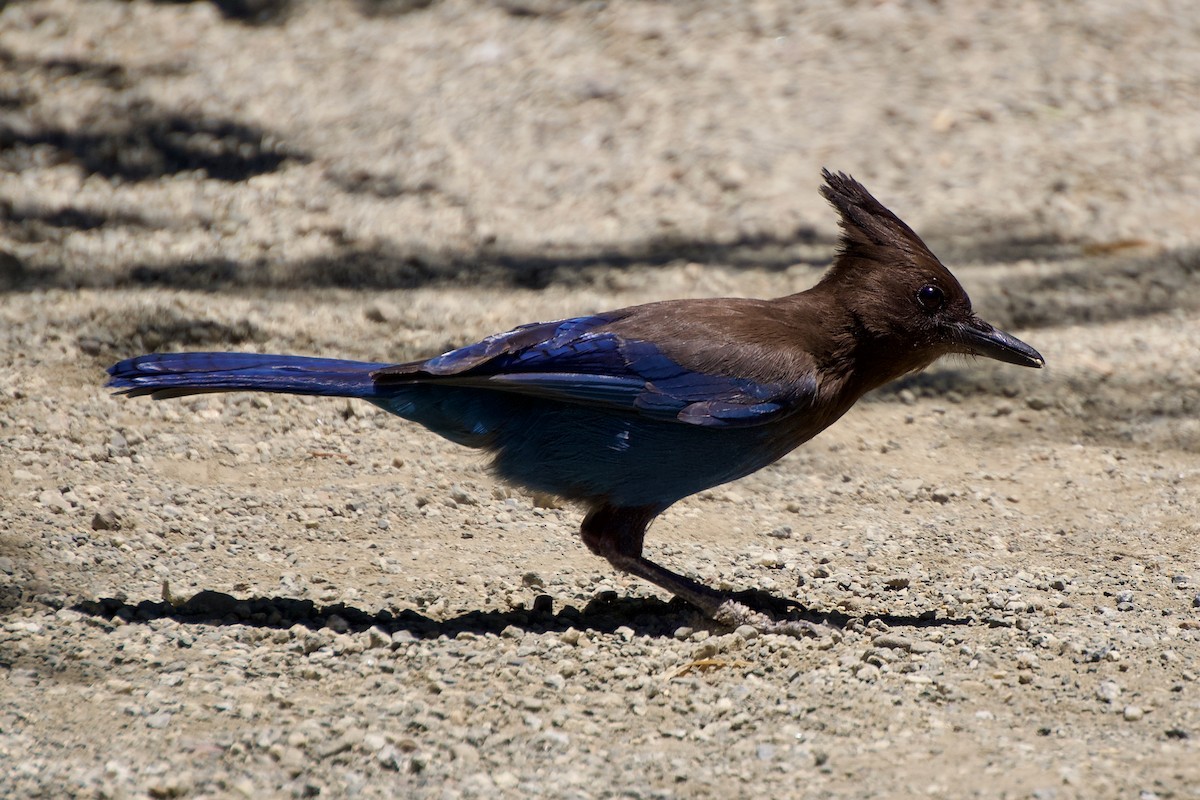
903,304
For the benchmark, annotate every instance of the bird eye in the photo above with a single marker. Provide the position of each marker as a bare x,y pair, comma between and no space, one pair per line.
931,297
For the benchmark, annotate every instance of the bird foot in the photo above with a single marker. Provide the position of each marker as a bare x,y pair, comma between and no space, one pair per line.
735,614
721,607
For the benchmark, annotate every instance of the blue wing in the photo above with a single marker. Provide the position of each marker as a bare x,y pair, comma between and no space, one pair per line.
580,361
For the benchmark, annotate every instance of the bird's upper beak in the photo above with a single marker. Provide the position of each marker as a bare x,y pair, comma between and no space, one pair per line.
981,339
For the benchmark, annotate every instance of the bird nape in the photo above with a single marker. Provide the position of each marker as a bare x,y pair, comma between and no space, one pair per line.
628,411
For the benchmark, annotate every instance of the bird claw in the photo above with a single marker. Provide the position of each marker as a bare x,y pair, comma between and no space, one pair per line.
735,614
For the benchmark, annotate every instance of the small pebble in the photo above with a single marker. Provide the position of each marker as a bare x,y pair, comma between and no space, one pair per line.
106,521
892,640
159,720
1108,691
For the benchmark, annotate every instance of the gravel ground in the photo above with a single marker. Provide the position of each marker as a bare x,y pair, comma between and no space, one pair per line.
251,596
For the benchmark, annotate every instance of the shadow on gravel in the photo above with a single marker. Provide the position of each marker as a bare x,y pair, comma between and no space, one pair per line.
269,12
645,616
149,143
1077,291
247,12
125,135
1090,291
39,224
388,265
393,265
111,76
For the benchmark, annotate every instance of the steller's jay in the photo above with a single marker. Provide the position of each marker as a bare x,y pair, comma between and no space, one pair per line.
628,411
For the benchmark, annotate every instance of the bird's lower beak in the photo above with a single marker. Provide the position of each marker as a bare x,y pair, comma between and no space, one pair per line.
981,339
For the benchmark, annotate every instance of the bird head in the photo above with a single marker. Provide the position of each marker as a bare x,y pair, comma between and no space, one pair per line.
899,296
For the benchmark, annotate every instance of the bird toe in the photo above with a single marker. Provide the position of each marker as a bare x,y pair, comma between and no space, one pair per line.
736,615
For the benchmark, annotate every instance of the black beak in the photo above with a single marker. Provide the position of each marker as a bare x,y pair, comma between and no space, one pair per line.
978,338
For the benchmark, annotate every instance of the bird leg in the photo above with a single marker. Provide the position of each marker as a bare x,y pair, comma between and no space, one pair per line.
617,534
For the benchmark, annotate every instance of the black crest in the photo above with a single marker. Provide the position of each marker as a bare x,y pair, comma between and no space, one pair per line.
869,230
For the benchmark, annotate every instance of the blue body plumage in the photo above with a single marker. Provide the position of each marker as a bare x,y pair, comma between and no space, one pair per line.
567,407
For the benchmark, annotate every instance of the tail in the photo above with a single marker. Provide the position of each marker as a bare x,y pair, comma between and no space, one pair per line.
162,375
466,415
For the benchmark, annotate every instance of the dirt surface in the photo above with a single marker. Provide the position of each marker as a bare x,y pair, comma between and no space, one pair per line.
243,596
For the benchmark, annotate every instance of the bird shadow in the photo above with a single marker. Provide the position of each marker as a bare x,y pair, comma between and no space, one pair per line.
606,613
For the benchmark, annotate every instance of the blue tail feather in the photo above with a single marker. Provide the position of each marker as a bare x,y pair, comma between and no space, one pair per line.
174,374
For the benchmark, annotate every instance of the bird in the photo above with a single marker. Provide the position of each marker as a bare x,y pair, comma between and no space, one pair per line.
626,412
